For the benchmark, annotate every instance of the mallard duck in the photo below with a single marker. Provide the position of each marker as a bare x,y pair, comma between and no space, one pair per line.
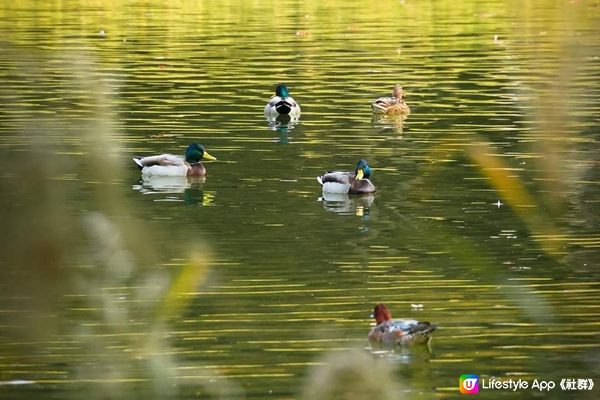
403,332
356,182
282,104
392,105
170,165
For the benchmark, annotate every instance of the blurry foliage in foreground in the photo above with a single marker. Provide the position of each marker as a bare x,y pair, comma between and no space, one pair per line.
98,263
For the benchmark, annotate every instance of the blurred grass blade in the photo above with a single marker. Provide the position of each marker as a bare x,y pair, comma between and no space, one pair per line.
187,280
507,183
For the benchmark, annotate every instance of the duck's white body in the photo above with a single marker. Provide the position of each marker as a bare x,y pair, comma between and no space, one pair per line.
163,165
341,185
282,106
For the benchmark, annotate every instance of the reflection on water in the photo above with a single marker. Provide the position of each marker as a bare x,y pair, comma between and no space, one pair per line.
151,184
389,123
283,125
421,353
192,189
503,108
345,204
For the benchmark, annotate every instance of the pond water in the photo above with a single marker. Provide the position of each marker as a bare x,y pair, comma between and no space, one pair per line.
485,220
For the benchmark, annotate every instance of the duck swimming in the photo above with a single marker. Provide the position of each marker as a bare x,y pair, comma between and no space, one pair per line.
346,182
171,165
394,105
402,332
282,104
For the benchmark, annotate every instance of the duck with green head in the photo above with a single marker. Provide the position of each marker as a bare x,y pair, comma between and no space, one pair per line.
282,104
394,105
347,182
171,165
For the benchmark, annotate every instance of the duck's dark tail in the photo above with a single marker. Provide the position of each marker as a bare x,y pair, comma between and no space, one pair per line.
283,107
424,328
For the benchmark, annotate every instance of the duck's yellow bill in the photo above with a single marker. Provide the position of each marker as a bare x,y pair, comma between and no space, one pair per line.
360,174
207,156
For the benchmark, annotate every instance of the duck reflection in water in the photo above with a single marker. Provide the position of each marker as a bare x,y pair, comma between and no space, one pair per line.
283,125
344,204
151,184
195,195
389,123
190,187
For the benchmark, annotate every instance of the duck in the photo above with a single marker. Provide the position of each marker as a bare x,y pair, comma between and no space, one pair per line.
171,165
347,182
282,104
401,332
394,105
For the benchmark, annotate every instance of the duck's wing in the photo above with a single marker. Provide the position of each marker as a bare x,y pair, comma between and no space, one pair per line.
270,110
163,160
383,103
295,111
336,181
344,177
411,326
273,101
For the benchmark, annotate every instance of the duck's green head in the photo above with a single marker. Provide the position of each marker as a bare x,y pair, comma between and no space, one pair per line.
282,91
362,170
195,152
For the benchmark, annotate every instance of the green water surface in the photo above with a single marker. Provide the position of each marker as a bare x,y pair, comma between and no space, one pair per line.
485,219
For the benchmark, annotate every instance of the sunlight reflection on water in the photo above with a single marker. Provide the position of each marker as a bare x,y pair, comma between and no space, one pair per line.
485,214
